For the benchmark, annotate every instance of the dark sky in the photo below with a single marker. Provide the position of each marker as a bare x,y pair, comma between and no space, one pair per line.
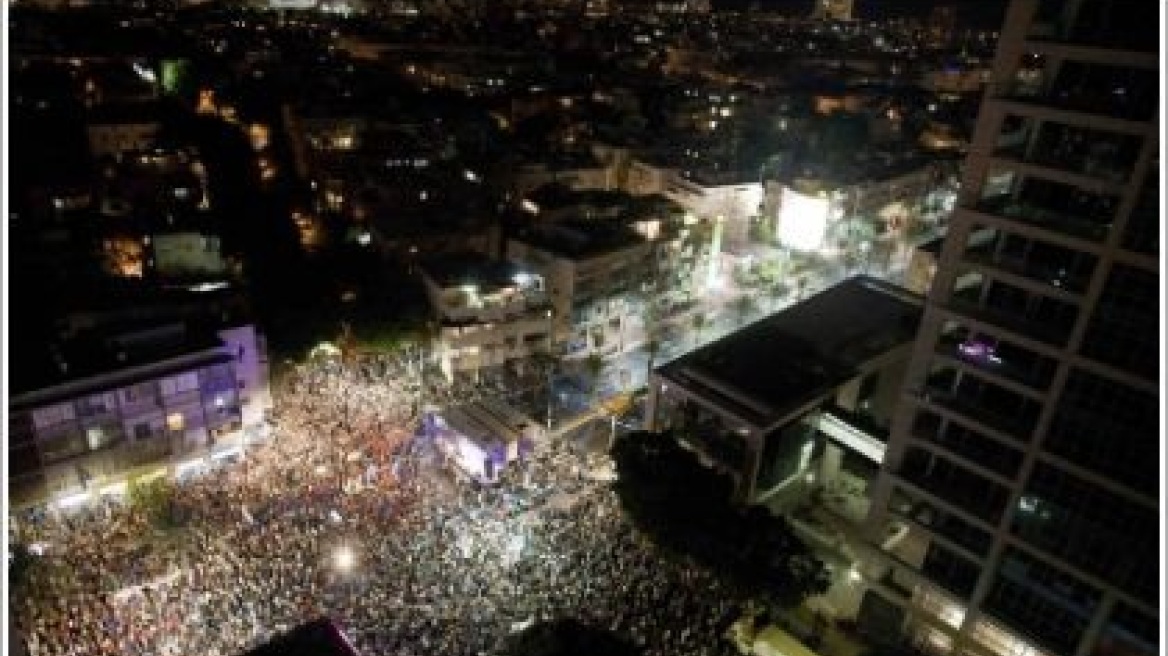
972,13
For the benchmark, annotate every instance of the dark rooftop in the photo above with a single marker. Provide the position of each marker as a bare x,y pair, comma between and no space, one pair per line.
453,270
316,638
116,354
579,240
778,364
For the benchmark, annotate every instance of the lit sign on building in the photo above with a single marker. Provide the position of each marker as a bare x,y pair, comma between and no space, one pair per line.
802,220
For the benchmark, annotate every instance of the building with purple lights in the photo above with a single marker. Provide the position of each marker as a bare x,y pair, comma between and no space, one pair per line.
165,401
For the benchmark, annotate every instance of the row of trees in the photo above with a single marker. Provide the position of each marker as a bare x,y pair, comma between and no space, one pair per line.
686,509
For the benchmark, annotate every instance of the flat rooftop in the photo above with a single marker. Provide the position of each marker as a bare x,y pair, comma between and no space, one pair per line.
773,367
579,239
458,269
106,358
319,637
488,422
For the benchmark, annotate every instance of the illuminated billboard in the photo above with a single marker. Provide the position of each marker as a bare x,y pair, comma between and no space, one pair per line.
802,220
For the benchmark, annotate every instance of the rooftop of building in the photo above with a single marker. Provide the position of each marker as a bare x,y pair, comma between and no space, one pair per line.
555,196
459,269
319,637
777,365
487,422
114,355
580,239
870,166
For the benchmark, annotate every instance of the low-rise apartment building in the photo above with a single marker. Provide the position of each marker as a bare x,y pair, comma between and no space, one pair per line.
490,313
143,402
593,272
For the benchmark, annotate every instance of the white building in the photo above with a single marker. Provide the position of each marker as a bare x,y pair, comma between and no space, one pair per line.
482,438
490,313
842,216
592,272
727,198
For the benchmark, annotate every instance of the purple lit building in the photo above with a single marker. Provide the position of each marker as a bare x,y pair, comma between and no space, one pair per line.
163,400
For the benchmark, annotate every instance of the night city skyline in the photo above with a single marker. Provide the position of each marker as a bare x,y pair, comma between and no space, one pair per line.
583,327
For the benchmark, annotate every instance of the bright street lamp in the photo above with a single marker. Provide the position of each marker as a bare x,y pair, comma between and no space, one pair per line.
344,559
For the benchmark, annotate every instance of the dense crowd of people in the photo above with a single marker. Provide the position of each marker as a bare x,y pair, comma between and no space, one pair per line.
345,512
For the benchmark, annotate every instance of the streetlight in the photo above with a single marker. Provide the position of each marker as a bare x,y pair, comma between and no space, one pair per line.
344,559
550,361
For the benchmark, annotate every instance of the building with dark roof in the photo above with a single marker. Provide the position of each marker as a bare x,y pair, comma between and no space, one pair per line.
320,637
761,402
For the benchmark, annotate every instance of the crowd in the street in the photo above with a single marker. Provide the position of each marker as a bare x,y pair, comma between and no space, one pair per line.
440,566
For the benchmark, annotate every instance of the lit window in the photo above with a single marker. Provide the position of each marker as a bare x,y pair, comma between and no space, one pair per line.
174,421
95,436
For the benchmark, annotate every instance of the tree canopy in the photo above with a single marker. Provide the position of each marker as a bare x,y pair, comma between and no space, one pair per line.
686,509
155,498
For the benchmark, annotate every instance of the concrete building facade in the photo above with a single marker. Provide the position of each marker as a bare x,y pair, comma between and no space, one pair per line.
490,313
592,273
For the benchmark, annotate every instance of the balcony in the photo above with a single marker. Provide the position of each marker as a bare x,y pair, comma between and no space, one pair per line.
968,444
1109,25
1055,266
956,485
1101,159
990,355
950,571
948,526
1030,315
1084,220
1116,92
1142,234
1008,320
984,404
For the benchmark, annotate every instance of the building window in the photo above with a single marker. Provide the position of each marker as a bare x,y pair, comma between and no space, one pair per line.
96,404
142,431
52,415
187,382
138,393
174,421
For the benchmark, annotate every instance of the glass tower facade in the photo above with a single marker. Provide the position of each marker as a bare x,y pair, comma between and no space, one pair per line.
1022,475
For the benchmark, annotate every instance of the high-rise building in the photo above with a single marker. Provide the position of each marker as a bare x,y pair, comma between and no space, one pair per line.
1018,505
